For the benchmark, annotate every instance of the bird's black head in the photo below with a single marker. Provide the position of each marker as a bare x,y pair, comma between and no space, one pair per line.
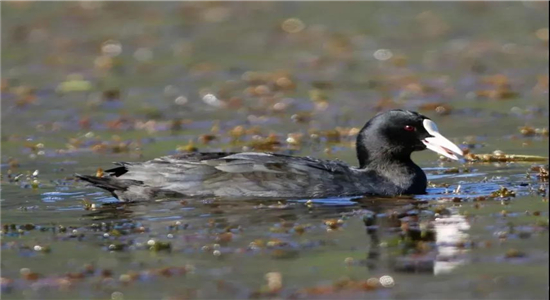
395,134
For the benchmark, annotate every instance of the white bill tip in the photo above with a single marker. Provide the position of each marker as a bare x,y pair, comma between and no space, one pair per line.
438,143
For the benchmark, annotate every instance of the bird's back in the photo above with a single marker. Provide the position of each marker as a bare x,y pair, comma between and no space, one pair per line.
247,174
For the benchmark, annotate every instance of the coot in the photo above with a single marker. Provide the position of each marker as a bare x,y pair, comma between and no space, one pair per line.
384,146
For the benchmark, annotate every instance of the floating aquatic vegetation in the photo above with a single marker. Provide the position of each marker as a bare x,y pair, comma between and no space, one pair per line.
322,58
514,253
454,170
237,133
333,224
74,83
332,136
293,25
190,147
299,229
207,138
499,156
27,274
500,93
269,143
318,95
301,117
347,285
224,238
25,96
439,108
13,163
157,246
532,131
274,281
501,88
286,253
111,95
542,172
42,248
88,205
295,140
503,193
542,84
116,247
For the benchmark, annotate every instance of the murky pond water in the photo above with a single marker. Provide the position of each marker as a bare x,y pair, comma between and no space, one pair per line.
88,83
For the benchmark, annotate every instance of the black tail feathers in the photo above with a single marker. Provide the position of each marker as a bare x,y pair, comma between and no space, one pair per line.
110,184
118,171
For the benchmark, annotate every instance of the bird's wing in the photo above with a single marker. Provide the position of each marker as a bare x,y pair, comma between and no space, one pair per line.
247,173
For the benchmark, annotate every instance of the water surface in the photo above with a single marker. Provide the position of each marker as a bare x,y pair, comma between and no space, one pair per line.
87,84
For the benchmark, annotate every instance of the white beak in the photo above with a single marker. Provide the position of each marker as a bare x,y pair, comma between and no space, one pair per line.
439,143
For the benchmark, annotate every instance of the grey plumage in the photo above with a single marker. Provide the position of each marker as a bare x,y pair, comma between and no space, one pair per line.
384,147
247,174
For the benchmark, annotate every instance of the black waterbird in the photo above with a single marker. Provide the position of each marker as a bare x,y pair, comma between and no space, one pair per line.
384,146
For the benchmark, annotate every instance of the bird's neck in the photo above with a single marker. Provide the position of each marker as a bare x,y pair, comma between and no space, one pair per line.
382,159
400,171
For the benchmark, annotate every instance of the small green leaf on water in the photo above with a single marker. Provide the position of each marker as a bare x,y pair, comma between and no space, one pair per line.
74,83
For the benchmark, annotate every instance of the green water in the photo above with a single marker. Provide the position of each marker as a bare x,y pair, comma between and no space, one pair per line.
484,63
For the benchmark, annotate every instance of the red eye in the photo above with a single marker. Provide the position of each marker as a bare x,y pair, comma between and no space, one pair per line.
409,128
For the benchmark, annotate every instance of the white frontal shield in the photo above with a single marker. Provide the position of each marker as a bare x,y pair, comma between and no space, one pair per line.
438,143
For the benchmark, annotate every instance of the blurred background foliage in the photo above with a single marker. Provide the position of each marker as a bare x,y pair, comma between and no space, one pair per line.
165,57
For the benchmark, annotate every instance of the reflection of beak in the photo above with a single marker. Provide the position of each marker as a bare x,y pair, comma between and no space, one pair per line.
439,143
450,231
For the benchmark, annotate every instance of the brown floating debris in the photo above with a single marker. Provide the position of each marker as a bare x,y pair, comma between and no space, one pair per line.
497,94
333,224
542,84
190,147
284,253
274,281
514,253
156,246
332,136
294,139
440,108
301,117
88,205
269,143
532,131
111,95
542,172
350,285
503,192
322,85
224,238
299,229
498,80
499,156
207,138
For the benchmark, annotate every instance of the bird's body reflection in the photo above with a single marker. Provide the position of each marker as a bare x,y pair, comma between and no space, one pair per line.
417,225
427,241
